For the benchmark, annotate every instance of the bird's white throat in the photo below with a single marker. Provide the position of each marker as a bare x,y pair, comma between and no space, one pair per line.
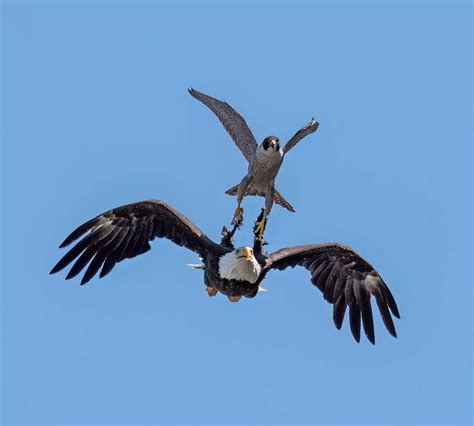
269,156
232,266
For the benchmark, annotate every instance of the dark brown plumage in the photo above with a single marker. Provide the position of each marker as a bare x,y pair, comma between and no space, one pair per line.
125,232
346,280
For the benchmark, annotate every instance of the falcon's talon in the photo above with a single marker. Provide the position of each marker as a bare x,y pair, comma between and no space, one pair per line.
211,291
234,298
238,216
259,229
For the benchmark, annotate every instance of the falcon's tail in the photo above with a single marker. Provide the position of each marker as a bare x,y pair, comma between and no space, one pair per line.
253,192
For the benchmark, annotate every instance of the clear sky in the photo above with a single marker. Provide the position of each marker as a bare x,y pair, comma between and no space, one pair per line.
96,114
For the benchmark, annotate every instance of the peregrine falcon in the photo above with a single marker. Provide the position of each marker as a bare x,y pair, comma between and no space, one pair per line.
346,280
264,160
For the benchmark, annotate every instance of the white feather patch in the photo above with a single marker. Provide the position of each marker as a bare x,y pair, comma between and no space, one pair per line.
233,268
269,156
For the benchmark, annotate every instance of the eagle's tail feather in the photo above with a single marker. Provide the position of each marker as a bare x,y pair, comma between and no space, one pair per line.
279,199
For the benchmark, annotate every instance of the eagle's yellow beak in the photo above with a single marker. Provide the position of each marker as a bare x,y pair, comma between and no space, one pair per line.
246,252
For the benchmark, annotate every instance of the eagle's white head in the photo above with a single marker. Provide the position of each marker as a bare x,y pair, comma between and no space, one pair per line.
241,265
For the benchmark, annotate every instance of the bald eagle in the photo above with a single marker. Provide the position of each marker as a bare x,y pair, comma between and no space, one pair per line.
345,279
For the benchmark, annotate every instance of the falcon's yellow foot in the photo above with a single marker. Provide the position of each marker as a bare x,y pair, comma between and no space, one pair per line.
234,298
211,291
238,216
260,229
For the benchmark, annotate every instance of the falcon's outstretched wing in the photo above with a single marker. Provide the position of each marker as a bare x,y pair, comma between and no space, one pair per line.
232,121
311,127
125,232
346,280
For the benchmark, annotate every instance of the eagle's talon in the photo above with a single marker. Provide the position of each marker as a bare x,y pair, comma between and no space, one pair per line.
211,291
234,298
238,216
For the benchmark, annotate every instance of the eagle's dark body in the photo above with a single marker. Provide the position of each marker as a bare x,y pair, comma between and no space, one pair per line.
233,288
346,280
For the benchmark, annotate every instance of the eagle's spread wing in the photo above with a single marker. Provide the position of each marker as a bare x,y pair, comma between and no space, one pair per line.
346,280
125,232
311,127
232,121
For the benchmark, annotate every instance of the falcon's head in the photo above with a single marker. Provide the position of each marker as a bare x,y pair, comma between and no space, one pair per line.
271,142
241,265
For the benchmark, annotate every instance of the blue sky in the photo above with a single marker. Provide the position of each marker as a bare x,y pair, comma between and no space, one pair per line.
96,114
